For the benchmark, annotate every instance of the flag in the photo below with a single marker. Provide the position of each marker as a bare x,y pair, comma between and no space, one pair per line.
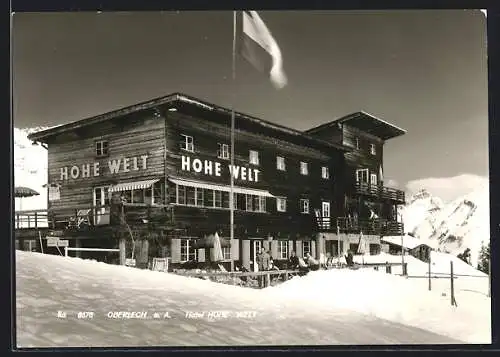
380,174
260,48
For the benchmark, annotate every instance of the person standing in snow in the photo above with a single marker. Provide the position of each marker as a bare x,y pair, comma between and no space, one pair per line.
263,261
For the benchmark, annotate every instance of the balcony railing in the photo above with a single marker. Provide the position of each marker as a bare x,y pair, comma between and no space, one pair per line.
83,217
375,226
379,191
30,219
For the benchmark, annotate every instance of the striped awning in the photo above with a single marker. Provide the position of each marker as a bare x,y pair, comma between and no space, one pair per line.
225,188
134,185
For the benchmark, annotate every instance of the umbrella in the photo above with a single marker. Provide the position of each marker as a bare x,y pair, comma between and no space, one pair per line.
24,192
21,192
217,255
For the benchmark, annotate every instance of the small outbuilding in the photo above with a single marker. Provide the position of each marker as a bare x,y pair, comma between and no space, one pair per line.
413,246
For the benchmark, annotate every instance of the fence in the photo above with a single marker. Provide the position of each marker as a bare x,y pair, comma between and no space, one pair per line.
66,249
266,276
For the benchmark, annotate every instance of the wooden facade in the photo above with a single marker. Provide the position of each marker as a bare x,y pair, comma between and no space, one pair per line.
157,169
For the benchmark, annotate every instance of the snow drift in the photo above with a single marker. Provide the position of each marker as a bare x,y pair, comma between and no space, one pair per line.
324,307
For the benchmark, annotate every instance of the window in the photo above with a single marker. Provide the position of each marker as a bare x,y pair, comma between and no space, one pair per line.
281,204
373,150
101,148
282,249
209,198
357,142
195,196
306,247
191,196
187,251
226,253
187,143
254,157
373,179
324,172
218,199
181,195
280,163
304,205
223,151
255,203
362,175
303,168
151,195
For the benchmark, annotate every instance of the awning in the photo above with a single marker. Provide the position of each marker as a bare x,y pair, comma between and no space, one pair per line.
225,188
134,185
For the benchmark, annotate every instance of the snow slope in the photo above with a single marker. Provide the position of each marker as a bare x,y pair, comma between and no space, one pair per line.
460,224
325,307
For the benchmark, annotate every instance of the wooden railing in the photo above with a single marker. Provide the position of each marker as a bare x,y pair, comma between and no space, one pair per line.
379,191
374,226
83,216
30,219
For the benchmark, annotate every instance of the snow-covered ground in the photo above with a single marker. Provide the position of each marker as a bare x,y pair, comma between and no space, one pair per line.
406,300
325,307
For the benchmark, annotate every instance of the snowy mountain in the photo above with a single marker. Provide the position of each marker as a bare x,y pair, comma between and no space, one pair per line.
452,227
419,206
30,169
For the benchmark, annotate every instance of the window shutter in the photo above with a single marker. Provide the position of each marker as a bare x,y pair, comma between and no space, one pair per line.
274,249
299,248
176,250
313,249
235,249
245,251
201,255
266,245
290,247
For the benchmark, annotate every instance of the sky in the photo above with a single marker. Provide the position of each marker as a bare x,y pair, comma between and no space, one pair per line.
422,70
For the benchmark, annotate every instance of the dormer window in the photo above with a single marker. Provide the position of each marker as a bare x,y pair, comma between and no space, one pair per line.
373,150
324,172
223,151
101,148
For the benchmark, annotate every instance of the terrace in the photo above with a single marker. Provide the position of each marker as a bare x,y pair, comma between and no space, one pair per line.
381,192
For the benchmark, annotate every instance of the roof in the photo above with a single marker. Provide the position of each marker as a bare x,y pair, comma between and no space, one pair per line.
365,122
177,100
409,242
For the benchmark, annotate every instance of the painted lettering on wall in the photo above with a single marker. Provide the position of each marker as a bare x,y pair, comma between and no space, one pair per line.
114,166
215,168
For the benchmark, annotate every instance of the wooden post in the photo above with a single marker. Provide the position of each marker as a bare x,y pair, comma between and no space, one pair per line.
36,220
268,280
65,251
453,301
405,269
122,251
430,273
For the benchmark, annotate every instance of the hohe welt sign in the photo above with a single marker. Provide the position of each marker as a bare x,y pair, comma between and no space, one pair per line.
215,168
114,166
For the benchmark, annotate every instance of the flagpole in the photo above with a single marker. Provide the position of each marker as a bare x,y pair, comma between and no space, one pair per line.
231,197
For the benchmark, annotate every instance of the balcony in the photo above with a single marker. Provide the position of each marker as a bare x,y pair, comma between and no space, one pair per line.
375,226
381,192
84,218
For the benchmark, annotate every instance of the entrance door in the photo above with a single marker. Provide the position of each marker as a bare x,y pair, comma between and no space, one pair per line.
325,213
101,198
256,246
